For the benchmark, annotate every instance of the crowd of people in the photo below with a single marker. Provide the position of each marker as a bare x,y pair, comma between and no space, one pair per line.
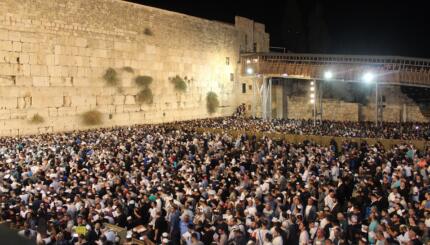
169,184
366,129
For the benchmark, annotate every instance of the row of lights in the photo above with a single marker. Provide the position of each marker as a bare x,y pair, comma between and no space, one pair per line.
312,95
368,77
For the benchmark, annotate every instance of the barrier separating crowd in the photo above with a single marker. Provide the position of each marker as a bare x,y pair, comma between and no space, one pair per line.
319,139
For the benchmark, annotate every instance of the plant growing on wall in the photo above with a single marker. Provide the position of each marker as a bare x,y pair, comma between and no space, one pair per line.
37,119
148,32
143,81
128,69
92,117
212,102
111,77
145,94
180,83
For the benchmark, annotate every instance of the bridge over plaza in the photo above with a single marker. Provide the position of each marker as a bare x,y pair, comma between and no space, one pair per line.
380,70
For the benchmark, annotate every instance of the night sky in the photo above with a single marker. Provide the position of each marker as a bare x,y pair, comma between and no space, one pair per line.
370,27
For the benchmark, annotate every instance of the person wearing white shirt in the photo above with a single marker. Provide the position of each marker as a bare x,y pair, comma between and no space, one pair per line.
277,240
304,236
329,199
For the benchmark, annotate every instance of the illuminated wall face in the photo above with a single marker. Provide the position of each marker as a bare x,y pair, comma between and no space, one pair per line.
53,55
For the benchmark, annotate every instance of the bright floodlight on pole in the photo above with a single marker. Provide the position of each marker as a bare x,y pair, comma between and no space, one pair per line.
368,77
249,71
328,75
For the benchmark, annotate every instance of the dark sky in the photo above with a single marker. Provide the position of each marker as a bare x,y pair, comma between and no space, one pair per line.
375,27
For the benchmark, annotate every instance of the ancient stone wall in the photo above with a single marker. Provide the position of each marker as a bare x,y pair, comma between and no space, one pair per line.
54,54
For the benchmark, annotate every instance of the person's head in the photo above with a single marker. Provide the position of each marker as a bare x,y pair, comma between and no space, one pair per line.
328,242
320,233
268,237
194,237
302,226
186,218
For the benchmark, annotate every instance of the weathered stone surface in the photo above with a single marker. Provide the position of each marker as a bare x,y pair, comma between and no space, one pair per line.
54,54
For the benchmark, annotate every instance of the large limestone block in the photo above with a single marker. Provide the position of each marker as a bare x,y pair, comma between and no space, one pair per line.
66,111
83,100
6,69
130,100
17,46
6,45
40,81
82,109
6,81
53,112
18,114
43,100
54,71
8,102
104,100
131,108
14,36
60,81
118,100
106,109
24,102
4,114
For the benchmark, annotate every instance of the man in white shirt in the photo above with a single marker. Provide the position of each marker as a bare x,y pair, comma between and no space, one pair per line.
304,236
277,240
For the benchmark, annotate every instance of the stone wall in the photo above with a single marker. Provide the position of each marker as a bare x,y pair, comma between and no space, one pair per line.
286,103
53,55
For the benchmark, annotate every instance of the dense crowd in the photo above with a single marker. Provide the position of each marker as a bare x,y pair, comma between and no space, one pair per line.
366,129
168,184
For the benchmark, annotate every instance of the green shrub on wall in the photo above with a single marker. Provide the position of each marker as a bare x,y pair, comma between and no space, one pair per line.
128,69
143,81
92,117
148,32
37,119
145,96
179,83
111,77
212,102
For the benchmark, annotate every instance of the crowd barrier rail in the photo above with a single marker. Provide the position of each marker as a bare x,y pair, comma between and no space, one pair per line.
318,139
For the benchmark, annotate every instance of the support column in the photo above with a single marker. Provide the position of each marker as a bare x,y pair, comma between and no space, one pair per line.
376,104
320,99
254,98
270,100
404,113
264,99
279,99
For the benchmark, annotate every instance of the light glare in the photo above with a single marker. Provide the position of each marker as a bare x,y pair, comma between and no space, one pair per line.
368,77
328,75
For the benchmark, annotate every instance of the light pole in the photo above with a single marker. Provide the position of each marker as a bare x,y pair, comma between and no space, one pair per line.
328,76
369,78
250,72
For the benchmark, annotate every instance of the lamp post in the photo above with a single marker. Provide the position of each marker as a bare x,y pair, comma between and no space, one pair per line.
249,71
369,78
